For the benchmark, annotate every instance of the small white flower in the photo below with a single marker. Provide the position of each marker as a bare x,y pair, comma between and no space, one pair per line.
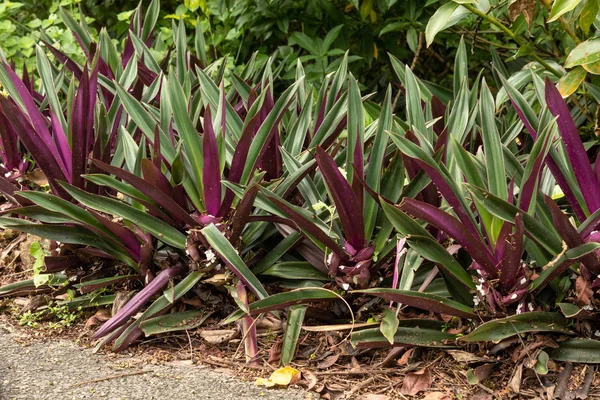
513,296
481,280
381,279
57,243
530,306
588,308
597,333
480,289
342,267
345,286
218,267
329,258
6,175
519,308
523,280
476,300
187,253
210,256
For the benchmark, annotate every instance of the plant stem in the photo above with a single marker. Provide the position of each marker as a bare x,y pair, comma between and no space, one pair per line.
564,23
519,40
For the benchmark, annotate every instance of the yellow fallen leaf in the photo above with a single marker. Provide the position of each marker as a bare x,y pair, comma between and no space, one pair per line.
281,377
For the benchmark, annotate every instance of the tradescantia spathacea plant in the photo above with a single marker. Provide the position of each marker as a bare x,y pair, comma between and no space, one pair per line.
166,168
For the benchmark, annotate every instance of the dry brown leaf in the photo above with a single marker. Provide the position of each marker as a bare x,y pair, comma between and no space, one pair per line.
415,382
515,382
584,291
482,395
466,357
328,361
38,177
525,7
310,378
98,318
370,396
218,336
436,396
406,357
482,372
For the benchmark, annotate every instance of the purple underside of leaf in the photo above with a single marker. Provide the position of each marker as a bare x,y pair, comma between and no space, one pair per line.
423,303
211,172
438,110
170,206
62,141
453,228
36,119
238,161
321,115
358,164
8,143
448,194
60,263
512,251
138,301
127,237
592,225
528,190
65,60
569,234
346,203
152,173
309,227
79,130
554,169
34,144
574,147
242,213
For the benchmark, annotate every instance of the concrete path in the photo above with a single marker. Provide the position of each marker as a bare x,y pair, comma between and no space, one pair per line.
60,369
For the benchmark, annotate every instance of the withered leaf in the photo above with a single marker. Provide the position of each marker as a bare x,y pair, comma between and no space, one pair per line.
525,7
415,382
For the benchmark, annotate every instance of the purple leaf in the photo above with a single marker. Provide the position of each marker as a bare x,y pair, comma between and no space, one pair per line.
574,147
8,143
62,141
346,203
528,190
65,60
451,197
242,213
127,238
151,191
79,130
34,144
138,301
453,228
36,119
152,173
211,172
240,155
560,179
309,227
60,263
569,234
511,258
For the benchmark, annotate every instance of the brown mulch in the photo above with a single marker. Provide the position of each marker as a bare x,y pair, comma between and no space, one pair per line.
330,366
